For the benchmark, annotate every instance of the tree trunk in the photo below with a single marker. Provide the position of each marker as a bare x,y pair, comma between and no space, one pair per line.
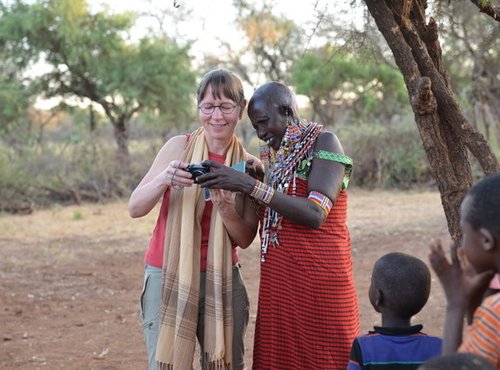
121,137
92,119
325,114
446,134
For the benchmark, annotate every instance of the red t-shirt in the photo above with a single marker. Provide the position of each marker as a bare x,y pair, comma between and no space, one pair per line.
154,253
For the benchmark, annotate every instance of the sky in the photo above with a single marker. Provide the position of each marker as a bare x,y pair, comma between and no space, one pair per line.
210,21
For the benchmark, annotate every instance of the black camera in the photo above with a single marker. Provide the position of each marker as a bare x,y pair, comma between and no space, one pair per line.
197,170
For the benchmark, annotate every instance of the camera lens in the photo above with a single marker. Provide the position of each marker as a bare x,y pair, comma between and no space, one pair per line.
197,170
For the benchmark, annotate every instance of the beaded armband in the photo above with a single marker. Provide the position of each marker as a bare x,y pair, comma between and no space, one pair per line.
262,192
321,200
340,158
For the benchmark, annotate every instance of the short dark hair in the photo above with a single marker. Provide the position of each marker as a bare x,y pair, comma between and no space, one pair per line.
484,205
405,282
221,81
457,361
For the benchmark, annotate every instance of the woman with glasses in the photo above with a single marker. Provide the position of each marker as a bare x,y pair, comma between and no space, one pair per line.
193,246
307,313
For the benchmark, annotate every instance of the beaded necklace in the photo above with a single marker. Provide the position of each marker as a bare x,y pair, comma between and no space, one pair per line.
297,143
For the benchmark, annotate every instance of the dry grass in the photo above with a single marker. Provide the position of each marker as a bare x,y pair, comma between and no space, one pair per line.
95,220
370,212
50,231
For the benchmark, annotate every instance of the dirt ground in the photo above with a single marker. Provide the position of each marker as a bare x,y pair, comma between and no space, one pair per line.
70,278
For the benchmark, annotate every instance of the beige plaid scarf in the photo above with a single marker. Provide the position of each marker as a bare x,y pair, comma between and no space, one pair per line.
181,274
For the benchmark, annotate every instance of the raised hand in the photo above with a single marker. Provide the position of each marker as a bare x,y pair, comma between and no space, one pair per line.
461,284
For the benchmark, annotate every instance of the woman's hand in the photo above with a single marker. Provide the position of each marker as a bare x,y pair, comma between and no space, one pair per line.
238,215
255,168
223,199
176,176
226,178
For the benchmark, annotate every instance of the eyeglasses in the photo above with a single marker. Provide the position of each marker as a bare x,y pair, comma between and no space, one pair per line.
225,108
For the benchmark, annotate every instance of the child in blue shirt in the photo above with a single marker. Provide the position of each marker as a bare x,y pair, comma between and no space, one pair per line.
400,287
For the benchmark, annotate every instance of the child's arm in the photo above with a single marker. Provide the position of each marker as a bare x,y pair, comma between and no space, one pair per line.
452,280
462,286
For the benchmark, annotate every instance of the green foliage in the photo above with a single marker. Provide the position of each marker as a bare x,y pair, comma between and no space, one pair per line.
271,44
386,156
333,79
90,57
78,215
15,98
61,174
15,184
164,80
13,103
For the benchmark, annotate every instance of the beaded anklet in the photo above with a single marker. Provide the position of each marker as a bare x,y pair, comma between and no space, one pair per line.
262,192
321,200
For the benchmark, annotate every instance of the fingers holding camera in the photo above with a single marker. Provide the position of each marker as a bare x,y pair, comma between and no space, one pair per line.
223,198
176,175
255,168
204,178
211,164
224,177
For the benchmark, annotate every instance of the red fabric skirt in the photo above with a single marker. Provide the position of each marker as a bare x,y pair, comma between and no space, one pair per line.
308,312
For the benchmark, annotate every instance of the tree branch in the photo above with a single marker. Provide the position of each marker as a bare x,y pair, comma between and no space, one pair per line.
446,133
488,8
402,53
474,141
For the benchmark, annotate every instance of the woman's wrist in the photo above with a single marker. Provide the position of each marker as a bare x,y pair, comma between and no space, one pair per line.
226,210
171,181
262,192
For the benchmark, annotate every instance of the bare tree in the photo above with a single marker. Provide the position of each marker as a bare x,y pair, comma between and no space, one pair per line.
472,51
488,8
446,134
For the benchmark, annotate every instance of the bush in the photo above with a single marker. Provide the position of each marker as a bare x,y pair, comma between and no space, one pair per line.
64,173
15,183
83,166
386,156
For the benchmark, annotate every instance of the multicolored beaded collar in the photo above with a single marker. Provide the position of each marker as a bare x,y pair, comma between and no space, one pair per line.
281,172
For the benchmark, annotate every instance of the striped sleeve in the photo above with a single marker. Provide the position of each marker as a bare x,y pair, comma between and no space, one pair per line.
482,336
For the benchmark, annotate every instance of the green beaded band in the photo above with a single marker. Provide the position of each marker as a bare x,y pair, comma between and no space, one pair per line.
340,158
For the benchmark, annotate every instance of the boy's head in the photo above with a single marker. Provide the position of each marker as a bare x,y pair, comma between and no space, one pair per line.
457,361
480,221
400,285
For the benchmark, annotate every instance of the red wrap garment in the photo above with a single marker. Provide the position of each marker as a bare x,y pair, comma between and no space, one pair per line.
308,308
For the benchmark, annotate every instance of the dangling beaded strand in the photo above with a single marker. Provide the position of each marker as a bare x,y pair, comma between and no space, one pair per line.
297,143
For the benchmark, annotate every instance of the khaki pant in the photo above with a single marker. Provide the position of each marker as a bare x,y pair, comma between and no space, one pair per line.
150,313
